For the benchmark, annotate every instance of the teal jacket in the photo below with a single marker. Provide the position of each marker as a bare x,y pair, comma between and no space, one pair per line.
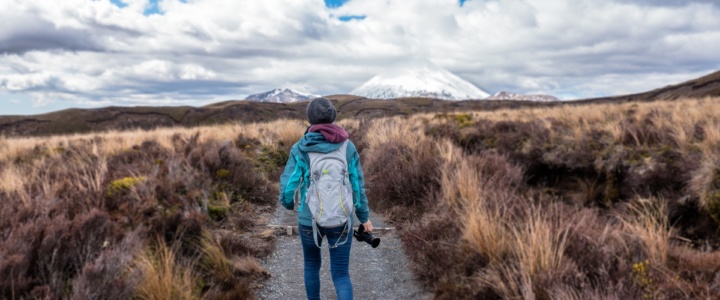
296,174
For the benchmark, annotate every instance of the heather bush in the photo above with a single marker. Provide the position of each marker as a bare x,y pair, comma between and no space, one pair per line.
585,202
87,218
601,201
402,176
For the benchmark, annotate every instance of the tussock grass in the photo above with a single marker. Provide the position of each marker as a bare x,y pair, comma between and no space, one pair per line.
647,221
541,203
285,132
11,179
705,183
538,246
164,277
247,265
73,204
214,259
397,130
484,226
598,201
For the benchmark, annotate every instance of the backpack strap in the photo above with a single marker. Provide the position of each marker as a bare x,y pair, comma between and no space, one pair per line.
348,227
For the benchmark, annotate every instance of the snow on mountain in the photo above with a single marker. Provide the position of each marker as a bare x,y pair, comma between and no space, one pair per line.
513,96
419,80
281,96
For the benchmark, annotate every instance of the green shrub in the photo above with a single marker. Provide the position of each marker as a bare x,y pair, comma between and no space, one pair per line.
463,120
223,173
123,184
218,212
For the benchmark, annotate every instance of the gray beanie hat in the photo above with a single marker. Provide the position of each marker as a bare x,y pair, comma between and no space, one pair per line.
321,111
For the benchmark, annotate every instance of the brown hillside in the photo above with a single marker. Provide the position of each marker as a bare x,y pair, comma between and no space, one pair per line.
120,118
706,86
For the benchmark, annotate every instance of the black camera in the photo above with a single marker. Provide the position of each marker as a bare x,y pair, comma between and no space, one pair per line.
367,237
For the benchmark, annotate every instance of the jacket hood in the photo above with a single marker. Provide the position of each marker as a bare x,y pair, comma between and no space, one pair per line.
333,133
316,142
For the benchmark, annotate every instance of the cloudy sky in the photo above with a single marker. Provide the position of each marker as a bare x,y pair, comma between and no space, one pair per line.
85,53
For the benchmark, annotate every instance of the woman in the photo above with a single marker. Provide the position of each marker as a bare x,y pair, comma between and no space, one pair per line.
323,137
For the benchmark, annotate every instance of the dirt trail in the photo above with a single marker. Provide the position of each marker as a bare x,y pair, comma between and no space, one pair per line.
380,273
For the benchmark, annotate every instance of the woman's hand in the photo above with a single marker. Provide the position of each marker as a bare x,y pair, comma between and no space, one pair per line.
368,226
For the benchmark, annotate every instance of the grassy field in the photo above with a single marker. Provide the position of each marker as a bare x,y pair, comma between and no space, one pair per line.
602,201
593,201
164,214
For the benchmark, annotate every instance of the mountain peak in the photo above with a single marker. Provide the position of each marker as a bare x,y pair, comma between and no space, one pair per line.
281,95
418,78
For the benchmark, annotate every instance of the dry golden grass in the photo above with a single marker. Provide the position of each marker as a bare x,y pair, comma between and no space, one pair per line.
401,130
647,221
247,265
164,277
91,175
113,142
680,117
214,259
538,246
525,247
507,281
144,186
705,179
349,124
462,189
11,179
522,246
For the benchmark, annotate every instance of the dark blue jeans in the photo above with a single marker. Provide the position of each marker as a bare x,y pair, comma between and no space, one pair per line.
339,261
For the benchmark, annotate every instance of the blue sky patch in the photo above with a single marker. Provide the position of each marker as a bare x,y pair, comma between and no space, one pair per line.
118,3
462,2
335,3
350,18
152,8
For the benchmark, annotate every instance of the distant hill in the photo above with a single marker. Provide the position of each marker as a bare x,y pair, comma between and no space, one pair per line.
706,86
120,118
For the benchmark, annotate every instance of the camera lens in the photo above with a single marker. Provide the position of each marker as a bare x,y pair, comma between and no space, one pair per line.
367,237
374,242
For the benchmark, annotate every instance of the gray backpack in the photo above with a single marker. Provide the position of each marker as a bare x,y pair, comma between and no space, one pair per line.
329,195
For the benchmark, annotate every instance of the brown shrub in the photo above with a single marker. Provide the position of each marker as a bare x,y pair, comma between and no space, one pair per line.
184,229
109,276
402,177
245,180
52,252
441,259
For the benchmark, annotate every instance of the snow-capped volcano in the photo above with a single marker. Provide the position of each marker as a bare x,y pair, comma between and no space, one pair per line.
529,97
281,96
419,80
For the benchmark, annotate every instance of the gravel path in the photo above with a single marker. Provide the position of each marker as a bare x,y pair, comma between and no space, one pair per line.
380,273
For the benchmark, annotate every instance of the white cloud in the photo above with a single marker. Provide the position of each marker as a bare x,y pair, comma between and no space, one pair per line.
81,51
